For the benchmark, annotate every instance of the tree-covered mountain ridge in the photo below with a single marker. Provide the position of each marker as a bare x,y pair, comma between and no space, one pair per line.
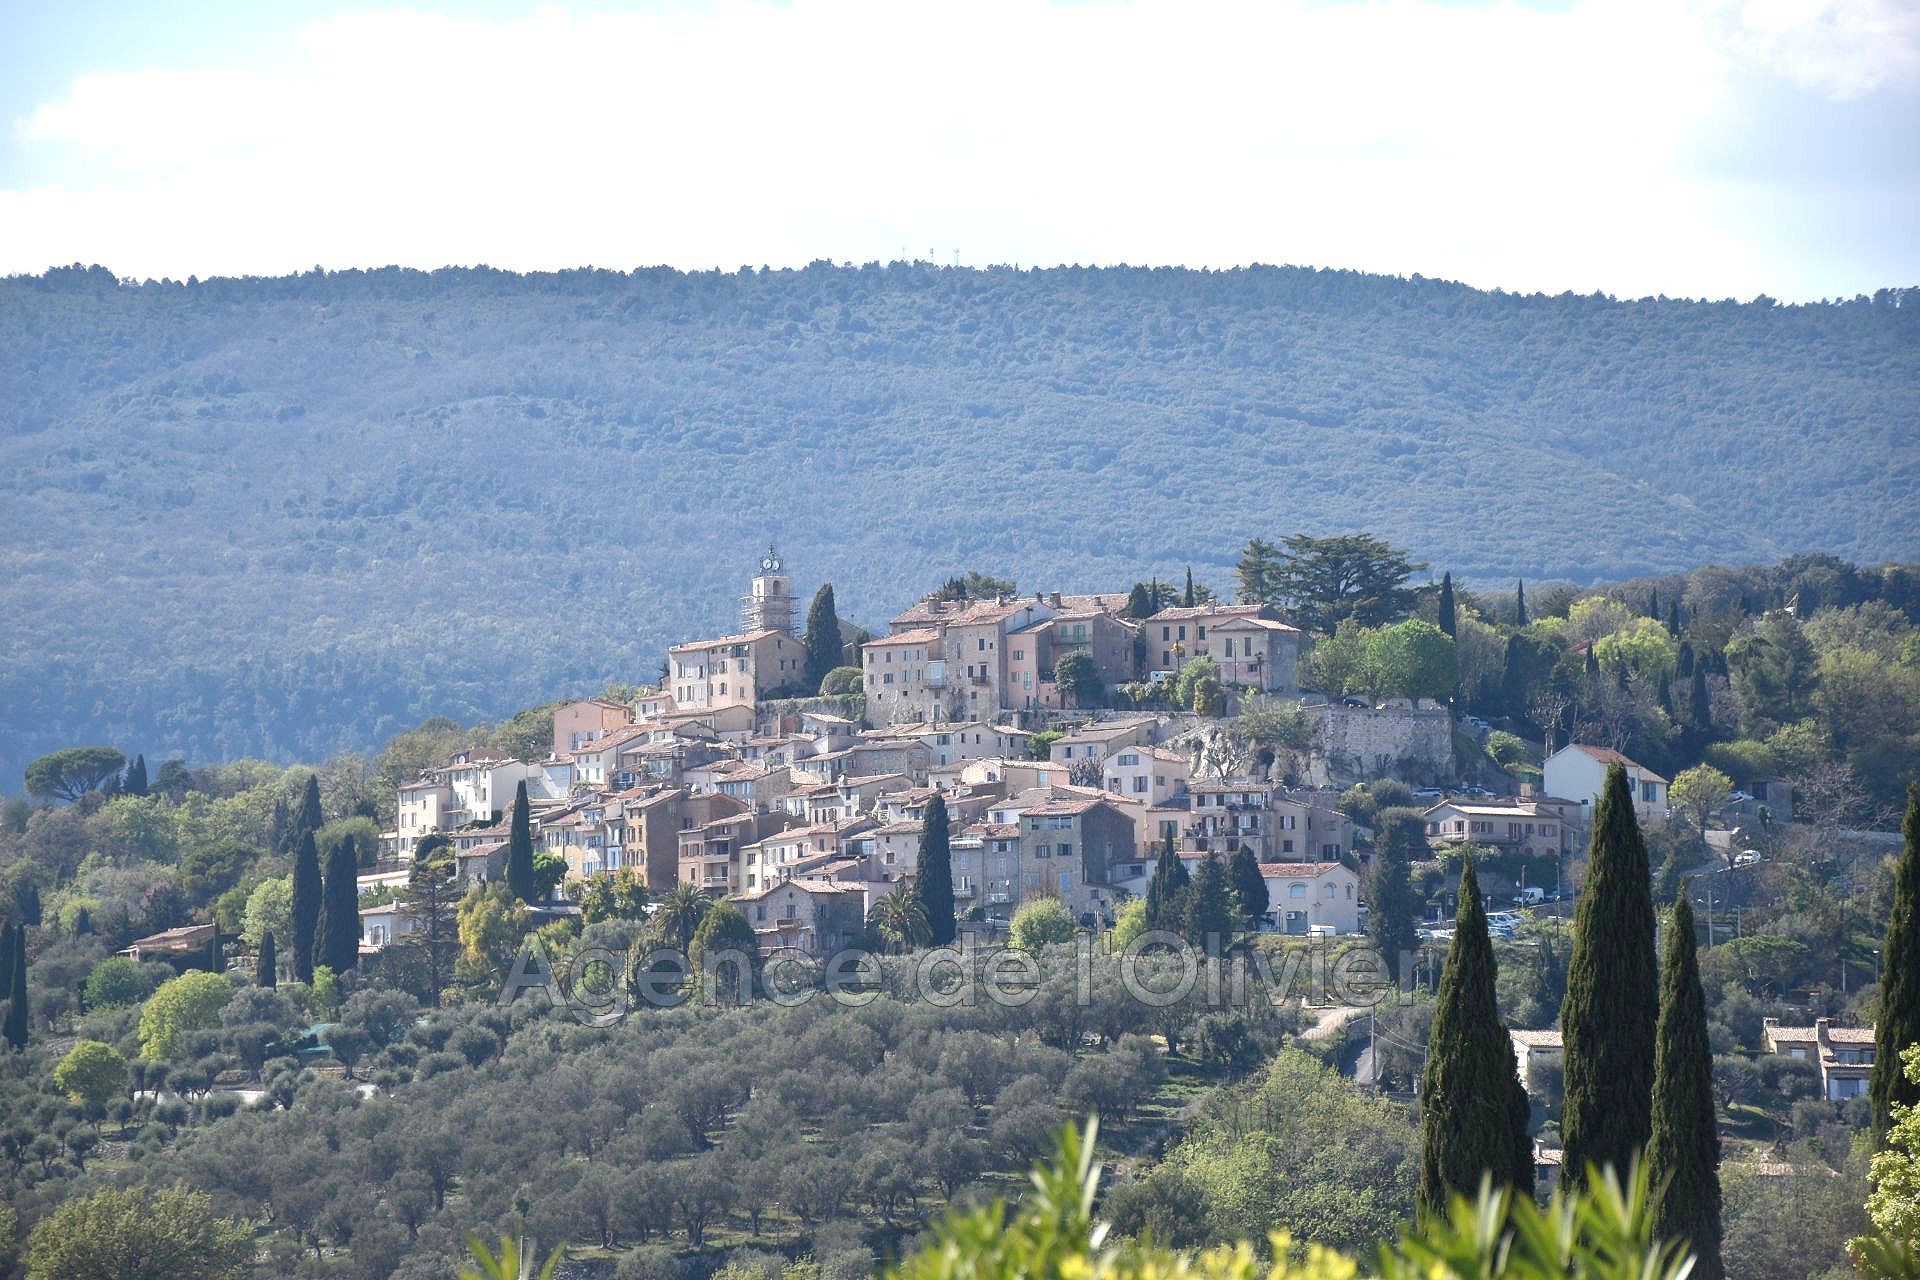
279,516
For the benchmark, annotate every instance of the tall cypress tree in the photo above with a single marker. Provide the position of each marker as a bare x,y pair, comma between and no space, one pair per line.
823,637
1473,1111
520,848
1653,603
1673,619
1519,602
1612,995
16,1026
1391,905
135,783
1899,1024
266,966
336,942
933,881
1249,886
1186,601
306,905
6,956
1166,892
1699,709
1684,1156
1449,619
307,817
1207,915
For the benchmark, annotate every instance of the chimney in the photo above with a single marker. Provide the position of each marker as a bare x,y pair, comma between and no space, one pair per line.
1054,599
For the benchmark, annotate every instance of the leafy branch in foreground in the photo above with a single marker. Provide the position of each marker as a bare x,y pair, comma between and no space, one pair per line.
1603,1233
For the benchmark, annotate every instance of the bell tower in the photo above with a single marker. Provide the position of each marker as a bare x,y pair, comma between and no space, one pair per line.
770,605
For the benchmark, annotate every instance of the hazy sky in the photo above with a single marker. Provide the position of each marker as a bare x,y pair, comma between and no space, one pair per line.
1709,149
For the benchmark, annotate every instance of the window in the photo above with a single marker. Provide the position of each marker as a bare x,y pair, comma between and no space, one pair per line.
1296,890
1329,892
1065,851
1140,784
1229,646
1286,846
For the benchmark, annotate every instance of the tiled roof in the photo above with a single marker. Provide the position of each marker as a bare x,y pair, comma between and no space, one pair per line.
1538,1039
744,638
1207,611
1297,868
919,635
1607,755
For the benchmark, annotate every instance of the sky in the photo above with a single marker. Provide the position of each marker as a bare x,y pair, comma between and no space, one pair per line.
1687,148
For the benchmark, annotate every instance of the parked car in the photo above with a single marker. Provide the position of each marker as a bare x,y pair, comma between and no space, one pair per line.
1530,896
1355,702
1426,793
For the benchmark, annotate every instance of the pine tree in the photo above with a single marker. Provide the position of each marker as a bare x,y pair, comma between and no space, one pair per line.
1166,892
823,637
267,964
1473,1111
1139,603
1519,603
933,881
1249,886
520,849
1684,1155
1607,1020
1449,620
336,939
135,783
1208,903
17,1022
1186,601
1899,1024
306,906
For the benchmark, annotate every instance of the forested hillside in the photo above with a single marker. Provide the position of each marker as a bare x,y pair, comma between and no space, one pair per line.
278,517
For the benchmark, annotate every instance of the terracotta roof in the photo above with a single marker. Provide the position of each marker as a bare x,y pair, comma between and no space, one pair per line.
1207,611
1297,868
1836,1035
1061,808
747,637
1538,1039
809,884
919,635
1607,755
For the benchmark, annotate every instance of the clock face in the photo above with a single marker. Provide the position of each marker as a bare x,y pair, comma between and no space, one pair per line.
769,564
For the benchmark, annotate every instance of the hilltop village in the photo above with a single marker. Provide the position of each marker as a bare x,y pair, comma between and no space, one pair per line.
806,811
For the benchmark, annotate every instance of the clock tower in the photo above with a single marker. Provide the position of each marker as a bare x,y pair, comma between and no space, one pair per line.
770,606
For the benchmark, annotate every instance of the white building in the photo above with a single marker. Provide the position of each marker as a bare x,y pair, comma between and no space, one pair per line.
1579,772
1302,896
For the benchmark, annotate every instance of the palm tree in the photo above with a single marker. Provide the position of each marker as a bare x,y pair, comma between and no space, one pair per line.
901,919
680,913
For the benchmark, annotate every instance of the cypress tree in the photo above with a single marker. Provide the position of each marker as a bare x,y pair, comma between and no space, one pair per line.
336,940
27,898
135,783
1685,663
1519,603
1449,620
1699,709
1187,601
1593,662
16,1026
1473,1111
6,956
1612,992
306,906
1390,901
823,637
1673,619
1899,1024
1166,892
1249,886
1208,906
1653,603
308,816
267,963
1684,1156
933,881
520,848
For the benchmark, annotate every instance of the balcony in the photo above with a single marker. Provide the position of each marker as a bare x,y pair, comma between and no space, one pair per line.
980,679
787,922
